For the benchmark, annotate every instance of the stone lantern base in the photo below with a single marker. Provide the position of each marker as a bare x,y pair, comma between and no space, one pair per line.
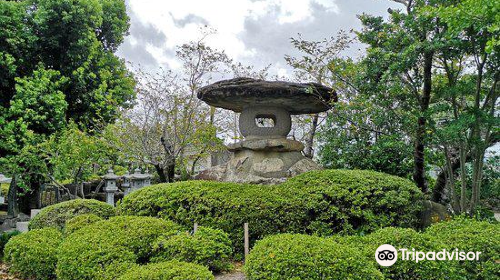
262,161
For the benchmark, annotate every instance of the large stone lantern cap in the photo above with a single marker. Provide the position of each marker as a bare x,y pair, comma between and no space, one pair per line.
240,93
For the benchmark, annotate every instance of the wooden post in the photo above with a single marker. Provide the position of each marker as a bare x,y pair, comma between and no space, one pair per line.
247,240
195,228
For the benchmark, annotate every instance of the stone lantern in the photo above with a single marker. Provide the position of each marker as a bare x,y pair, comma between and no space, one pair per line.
265,156
3,180
139,180
110,186
126,183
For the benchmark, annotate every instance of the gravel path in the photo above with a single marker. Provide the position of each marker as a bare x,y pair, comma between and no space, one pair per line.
237,275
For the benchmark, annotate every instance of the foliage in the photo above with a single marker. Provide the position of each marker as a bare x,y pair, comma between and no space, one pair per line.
410,239
57,65
345,149
469,235
5,237
100,250
168,270
34,254
73,154
295,256
207,246
357,200
320,202
56,215
79,222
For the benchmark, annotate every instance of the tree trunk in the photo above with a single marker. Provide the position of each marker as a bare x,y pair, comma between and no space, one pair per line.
418,155
161,173
171,173
309,152
12,207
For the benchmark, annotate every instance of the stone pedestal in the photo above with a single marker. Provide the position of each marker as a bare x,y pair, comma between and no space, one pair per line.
262,161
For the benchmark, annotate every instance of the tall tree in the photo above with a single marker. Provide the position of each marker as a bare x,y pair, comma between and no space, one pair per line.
57,65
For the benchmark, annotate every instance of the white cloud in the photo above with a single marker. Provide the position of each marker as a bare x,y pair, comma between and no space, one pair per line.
254,32
226,16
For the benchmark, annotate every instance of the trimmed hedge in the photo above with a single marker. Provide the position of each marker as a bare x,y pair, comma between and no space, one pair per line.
172,270
209,247
34,254
79,222
101,250
303,257
466,234
407,269
4,238
320,202
56,215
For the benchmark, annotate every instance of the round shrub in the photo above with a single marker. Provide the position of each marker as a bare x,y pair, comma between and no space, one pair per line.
102,249
357,201
34,254
172,270
320,202
5,237
304,257
408,269
207,246
79,222
56,215
470,235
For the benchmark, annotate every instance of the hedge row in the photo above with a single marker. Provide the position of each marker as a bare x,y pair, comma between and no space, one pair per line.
93,248
95,251
34,254
168,270
56,215
318,202
295,256
304,257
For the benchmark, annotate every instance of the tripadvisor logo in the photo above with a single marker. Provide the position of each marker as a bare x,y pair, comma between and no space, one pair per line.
387,255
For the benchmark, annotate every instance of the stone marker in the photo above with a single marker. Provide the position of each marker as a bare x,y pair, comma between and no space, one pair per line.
22,226
265,156
34,212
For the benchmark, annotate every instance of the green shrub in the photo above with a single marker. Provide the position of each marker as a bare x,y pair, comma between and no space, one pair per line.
407,269
99,250
33,254
472,236
322,202
56,215
350,201
79,222
209,247
303,257
172,270
4,238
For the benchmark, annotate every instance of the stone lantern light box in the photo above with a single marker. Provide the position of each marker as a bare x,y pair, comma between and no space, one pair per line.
265,155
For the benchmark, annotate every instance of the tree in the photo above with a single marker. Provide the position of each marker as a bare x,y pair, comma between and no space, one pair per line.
170,126
57,65
313,66
470,64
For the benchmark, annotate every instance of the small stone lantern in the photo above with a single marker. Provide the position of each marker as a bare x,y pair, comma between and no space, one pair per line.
110,186
139,180
126,183
3,180
266,155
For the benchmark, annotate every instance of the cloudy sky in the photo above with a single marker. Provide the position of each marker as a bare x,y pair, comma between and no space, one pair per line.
254,32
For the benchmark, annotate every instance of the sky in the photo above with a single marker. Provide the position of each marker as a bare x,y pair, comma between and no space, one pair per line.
253,32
